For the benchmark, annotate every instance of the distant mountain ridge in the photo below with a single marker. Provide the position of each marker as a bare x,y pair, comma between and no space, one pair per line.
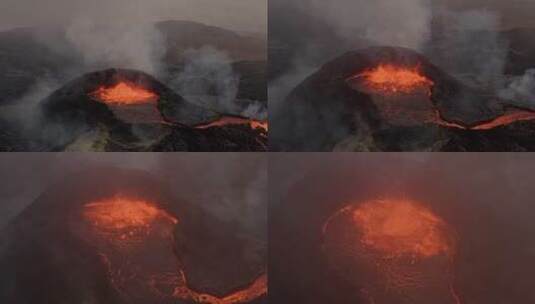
25,58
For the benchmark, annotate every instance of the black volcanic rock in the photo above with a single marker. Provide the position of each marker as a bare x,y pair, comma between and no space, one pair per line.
47,256
332,110
230,138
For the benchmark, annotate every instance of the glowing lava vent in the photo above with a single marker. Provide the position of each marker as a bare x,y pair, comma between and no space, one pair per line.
125,93
397,228
125,217
391,79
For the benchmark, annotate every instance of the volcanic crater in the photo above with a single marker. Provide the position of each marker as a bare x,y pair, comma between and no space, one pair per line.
119,236
394,99
129,110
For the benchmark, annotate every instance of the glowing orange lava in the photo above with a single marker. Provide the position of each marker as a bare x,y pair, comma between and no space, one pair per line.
399,228
124,93
232,120
124,216
500,121
506,119
391,79
257,289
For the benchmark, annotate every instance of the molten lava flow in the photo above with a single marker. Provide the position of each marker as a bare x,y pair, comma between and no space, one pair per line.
399,247
506,119
500,121
124,217
398,228
125,93
257,289
391,79
232,120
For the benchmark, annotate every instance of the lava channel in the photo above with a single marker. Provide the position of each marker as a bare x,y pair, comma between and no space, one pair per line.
255,290
233,120
500,121
125,93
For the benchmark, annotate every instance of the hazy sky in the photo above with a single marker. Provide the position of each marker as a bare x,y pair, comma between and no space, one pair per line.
247,15
513,12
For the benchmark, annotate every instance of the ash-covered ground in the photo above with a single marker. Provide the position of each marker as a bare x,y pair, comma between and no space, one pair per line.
220,71
133,228
485,201
478,56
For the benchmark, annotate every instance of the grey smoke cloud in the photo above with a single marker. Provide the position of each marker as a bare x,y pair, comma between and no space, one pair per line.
208,74
403,23
521,88
120,44
470,45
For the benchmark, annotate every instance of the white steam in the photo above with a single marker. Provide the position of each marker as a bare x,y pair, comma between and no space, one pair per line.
403,23
209,80
120,45
470,45
521,89
208,74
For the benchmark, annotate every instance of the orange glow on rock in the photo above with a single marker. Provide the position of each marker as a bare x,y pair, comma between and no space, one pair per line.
391,79
255,290
124,93
124,216
231,120
400,228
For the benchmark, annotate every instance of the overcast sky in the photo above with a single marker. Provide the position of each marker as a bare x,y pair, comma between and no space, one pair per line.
513,12
247,15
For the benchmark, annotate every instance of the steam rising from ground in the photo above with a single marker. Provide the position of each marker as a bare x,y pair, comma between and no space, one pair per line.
469,45
121,45
208,75
521,88
209,80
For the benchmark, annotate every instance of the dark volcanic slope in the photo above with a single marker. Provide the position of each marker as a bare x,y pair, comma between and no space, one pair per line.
330,111
50,255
